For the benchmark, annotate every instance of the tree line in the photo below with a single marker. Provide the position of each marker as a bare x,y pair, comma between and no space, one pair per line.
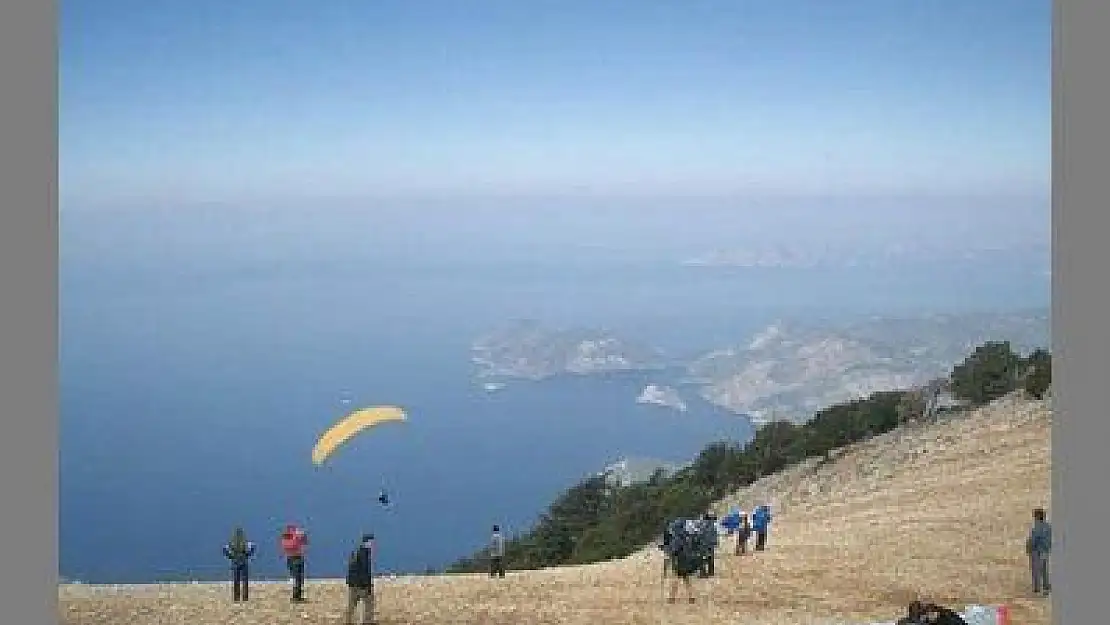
595,520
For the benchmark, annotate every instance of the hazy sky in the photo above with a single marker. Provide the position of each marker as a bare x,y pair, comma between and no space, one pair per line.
252,100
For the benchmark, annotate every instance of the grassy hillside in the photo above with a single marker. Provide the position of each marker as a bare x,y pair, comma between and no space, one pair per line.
595,521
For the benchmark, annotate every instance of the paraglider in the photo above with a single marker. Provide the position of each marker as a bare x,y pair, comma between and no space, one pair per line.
383,498
350,425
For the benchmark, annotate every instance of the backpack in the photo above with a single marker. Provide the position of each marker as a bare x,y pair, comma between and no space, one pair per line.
703,538
682,546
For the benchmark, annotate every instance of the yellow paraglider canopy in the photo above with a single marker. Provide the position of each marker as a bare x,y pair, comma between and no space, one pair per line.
355,422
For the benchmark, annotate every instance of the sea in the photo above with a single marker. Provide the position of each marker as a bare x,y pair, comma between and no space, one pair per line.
191,395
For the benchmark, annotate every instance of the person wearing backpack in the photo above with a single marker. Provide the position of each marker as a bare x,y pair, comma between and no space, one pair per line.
761,521
294,540
360,581
239,551
680,546
497,553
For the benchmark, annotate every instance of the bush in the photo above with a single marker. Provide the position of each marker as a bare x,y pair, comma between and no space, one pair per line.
1037,374
992,371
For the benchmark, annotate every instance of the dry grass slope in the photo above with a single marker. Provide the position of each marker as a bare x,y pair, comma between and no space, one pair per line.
939,511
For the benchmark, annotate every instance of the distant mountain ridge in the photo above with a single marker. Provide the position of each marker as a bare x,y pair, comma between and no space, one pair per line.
788,370
811,256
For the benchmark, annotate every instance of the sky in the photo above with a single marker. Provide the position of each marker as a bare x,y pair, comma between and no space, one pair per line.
266,101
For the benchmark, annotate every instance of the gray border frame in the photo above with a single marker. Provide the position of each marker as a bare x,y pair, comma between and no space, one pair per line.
28,333
1081,350
29,329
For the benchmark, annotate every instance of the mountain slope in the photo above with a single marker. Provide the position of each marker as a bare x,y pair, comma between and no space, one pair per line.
938,510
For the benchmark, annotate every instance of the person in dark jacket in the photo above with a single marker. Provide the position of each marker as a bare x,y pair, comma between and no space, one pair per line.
743,534
709,539
670,531
360,581
684,558
239,551
1038,546
920,613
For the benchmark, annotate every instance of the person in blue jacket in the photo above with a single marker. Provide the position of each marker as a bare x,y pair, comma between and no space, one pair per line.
761,521
1039,546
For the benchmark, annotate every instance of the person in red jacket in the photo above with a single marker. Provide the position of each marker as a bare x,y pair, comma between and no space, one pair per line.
294,540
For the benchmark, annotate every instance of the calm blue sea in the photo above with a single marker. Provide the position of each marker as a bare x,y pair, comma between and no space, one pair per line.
190,398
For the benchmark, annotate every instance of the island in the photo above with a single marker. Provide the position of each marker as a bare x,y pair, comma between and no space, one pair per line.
526,349
788,371
664,396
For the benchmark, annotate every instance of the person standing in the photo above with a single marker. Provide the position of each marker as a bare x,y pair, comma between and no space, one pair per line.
1038,546
708,541
294,541
761,523
360,581
674,528
497,553
239,551
743,534
683,558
